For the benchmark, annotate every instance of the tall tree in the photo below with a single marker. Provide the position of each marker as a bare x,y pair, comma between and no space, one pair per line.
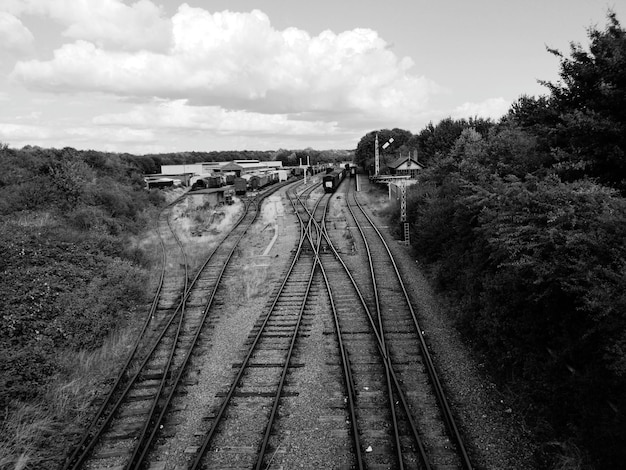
590,101
364,154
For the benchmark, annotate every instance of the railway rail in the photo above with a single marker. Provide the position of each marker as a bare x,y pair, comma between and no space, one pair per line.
424,429
249,408
382,401
129,417
394,404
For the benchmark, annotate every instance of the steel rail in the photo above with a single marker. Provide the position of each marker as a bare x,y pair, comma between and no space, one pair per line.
383,352
206,442
383,345
77,458
388,380
86,449
432,372
136,459
170,359
276,401
345,360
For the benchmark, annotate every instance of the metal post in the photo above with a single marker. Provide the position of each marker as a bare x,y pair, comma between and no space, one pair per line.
403,211
376,157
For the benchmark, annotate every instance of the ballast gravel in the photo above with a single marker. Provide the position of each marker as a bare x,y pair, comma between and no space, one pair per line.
494,433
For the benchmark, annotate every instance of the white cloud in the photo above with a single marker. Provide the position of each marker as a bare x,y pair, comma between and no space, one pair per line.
493,108
108,23
14,36
11,132
118,134
53,136
212,119
234,60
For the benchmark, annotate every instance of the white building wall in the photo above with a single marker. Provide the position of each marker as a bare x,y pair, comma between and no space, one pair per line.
195,168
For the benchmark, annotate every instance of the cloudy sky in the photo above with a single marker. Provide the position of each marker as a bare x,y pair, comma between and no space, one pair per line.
165,75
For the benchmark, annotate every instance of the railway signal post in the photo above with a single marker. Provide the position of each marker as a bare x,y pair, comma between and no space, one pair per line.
403,211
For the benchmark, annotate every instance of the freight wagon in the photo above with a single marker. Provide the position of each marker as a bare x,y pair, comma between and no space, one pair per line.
208,182
241,186
258,181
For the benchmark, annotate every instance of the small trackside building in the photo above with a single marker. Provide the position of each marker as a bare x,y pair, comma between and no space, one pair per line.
405,166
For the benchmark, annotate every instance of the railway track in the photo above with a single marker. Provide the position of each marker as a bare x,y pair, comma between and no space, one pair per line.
377,402
394,403
130,416
241,427
172,281
424,431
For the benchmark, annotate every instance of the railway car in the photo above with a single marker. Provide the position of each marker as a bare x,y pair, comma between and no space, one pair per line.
258,182
214,182
229,194
333,179
241,186
207,182
160,183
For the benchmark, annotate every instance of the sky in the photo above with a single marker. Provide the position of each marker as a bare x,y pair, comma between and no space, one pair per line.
155,76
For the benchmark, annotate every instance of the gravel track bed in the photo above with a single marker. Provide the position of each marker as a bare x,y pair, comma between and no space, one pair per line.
311,431
493,432
239,303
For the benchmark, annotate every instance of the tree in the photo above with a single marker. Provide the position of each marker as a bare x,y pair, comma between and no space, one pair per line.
439,139
364,154
590,101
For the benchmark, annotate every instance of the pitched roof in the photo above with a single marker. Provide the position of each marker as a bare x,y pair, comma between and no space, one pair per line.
399,161
232,167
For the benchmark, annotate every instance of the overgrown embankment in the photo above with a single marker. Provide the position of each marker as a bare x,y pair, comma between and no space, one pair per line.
72,285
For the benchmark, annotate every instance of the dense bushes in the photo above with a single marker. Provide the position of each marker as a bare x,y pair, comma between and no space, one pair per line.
538,268
68,275
523,223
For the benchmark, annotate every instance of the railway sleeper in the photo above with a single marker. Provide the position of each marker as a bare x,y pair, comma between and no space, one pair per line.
280,365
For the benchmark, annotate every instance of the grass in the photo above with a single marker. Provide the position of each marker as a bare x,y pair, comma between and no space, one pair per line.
253,279
38,434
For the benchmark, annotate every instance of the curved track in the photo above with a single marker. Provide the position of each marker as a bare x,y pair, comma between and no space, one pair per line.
383,401
130,416
424,431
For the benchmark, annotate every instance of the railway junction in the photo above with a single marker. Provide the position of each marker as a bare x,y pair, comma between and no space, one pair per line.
298,336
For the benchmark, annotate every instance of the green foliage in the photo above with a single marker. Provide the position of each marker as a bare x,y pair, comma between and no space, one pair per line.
523,224
537,267
585,116
364,154
67,276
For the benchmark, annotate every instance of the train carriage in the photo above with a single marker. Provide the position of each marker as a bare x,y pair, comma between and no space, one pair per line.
332,180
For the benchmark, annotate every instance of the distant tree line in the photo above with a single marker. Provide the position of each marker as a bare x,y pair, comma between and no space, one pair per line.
523,224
